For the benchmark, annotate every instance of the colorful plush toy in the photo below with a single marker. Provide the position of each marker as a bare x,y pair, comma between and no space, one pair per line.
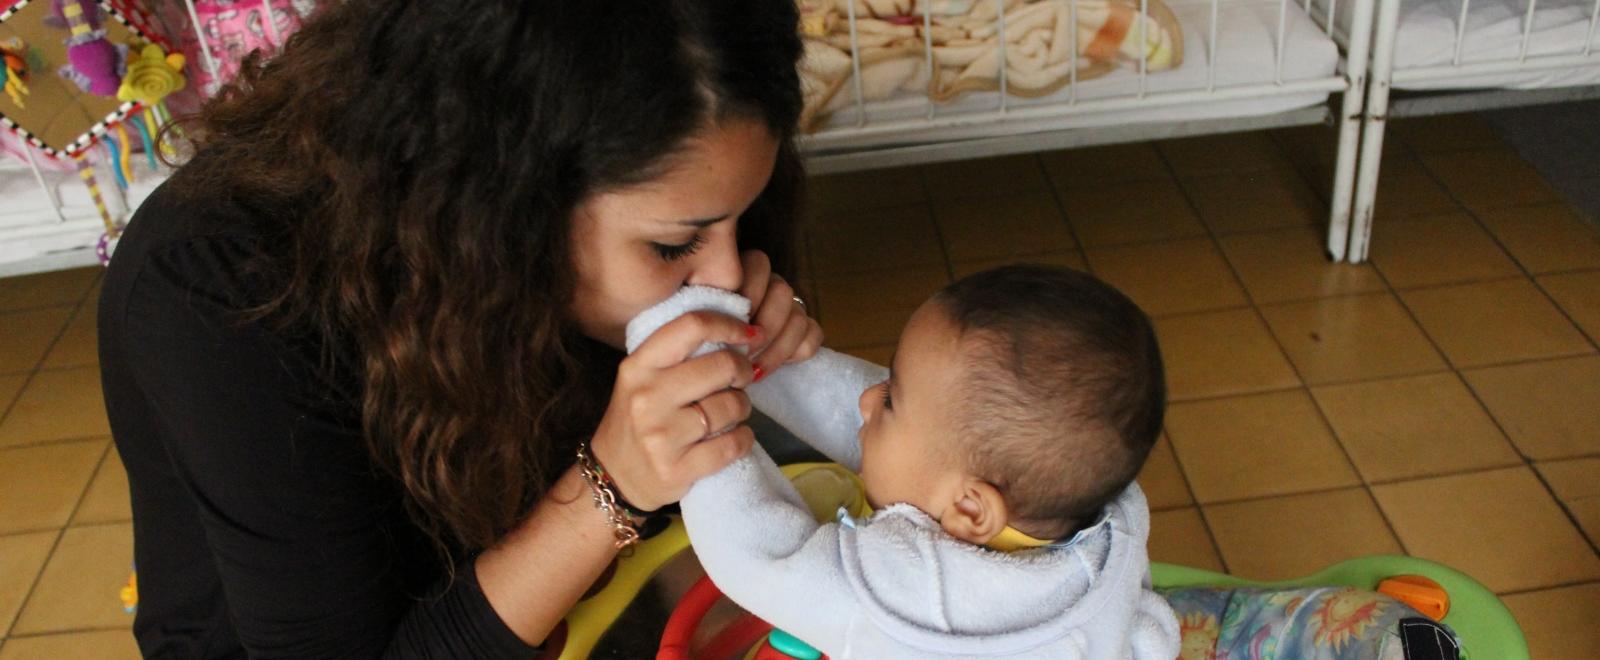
14,70
95,64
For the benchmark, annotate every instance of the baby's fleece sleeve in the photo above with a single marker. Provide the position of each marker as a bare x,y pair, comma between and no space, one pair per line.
758,541
817,401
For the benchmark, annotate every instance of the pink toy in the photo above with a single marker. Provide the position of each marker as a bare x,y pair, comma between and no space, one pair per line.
95,63
231,29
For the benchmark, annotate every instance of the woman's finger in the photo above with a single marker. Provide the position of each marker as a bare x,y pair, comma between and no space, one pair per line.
811,344
785,344
679,339
703,376
723,411
710,456
757,270
779,310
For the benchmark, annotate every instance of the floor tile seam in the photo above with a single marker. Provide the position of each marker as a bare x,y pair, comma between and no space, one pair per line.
1534,590
1523,268
53,442
17,311
1544,483
77,309
33,586
1283,350
868,270
94,476
70,631
1593,339
1566,510
1058,197
8,406
1255,307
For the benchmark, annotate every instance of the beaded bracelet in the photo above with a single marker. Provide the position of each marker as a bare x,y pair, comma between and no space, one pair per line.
605,498
605,478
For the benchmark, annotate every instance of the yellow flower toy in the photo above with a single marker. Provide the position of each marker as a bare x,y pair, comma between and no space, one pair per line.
152,76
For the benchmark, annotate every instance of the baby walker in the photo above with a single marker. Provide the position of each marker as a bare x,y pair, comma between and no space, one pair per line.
1343,595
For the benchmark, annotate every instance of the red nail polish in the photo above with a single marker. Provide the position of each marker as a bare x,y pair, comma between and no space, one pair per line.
751,331
759,373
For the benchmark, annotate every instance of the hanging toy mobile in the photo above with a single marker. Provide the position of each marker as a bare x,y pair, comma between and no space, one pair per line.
14,70
94,64
151,77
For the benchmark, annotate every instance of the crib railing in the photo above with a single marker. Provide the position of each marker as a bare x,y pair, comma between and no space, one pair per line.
1386,75
831,146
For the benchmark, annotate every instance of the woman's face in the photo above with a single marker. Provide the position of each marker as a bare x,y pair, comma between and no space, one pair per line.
635,246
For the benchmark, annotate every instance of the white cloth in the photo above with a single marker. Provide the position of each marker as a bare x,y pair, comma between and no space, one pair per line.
895,585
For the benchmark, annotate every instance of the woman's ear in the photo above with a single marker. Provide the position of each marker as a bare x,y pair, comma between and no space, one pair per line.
978,514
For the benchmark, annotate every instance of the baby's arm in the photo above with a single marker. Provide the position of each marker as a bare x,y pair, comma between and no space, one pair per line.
817,401
758,541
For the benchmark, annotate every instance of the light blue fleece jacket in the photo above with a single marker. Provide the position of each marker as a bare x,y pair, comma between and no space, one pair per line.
895,585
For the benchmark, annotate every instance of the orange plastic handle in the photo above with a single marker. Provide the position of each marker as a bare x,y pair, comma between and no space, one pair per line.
1422,594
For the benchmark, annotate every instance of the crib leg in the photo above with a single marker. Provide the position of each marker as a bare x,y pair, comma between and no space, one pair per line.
1374,121
1344,171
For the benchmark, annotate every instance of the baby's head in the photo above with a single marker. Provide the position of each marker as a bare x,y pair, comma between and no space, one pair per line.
1022,396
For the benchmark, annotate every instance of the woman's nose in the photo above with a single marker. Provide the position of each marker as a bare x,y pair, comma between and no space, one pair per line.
718,264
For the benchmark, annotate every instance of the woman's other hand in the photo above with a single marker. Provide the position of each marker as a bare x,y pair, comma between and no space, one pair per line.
789,334
673,420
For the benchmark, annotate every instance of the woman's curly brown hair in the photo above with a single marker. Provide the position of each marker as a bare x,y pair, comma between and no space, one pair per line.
418,164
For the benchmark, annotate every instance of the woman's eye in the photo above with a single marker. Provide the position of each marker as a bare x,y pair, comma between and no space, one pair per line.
680,250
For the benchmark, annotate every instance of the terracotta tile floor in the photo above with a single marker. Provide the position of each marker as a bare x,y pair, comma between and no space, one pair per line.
1440,401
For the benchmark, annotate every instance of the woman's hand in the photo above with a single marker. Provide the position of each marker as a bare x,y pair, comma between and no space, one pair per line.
789,335
654,439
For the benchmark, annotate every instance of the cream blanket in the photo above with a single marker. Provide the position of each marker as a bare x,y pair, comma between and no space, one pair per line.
965,34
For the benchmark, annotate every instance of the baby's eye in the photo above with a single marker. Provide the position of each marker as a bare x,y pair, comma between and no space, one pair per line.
888,403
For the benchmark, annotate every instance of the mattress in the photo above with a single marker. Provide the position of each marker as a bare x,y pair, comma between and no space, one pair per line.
1426,37
1245,55
1427,32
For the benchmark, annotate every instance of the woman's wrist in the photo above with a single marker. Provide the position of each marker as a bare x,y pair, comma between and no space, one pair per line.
603,492
534,575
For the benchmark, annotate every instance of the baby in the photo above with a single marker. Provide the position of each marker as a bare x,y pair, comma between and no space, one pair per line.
998,454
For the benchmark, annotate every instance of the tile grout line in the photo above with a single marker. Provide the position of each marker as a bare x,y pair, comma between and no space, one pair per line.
1056,198
1528,462
1534,590
1322,414
933,220
22,606
1194,502
1521,267
5,412
1211,237
1361,486
61,533
70,631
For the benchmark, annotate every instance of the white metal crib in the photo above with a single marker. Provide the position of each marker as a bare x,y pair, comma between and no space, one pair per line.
1223,86
1495,53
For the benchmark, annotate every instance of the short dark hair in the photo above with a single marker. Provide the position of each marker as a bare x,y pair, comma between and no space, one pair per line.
1064,394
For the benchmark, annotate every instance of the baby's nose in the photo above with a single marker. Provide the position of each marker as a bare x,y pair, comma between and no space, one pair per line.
868,402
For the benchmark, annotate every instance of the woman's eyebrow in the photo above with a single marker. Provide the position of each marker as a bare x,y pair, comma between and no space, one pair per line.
702,224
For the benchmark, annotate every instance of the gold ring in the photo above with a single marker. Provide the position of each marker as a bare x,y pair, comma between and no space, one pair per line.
705,420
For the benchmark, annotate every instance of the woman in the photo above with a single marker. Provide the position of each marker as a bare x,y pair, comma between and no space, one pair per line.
351,349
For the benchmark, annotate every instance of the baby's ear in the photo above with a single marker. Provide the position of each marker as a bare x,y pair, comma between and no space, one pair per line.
978,514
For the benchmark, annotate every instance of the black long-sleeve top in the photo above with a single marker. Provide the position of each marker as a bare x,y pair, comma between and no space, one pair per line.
262,528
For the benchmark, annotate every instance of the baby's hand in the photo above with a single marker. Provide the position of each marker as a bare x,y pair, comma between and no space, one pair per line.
789,334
